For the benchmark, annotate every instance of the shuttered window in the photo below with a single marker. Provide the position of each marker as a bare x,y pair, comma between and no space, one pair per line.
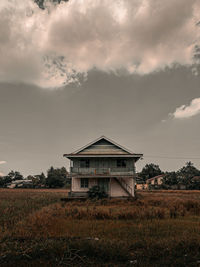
84,182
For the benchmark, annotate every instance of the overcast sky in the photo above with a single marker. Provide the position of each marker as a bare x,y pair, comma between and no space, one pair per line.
126,69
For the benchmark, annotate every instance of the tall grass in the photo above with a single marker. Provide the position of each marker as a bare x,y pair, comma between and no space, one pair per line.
17,204
160,228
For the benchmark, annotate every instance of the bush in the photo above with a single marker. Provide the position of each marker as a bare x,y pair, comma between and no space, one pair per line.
97,192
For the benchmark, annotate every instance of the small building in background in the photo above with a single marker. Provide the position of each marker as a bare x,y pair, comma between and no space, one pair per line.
103,163
143,186
155,181
20,184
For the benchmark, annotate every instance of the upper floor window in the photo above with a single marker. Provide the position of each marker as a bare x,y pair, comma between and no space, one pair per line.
121,163
84,163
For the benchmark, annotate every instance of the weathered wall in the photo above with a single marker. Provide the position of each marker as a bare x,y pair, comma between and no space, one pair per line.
157,181
115,189
142,186
76,184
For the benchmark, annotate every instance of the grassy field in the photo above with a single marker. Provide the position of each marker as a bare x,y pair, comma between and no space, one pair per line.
160,228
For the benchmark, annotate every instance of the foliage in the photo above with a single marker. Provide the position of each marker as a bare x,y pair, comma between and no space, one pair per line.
11,176
170,179
186,173
41,3
188,176
149,171
15,175
96,192
56,177
42,178
2,181
37,180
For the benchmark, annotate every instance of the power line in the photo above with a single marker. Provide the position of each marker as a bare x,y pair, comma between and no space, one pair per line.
167,157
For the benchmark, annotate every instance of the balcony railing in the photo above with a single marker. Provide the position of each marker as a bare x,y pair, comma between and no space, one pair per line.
102,171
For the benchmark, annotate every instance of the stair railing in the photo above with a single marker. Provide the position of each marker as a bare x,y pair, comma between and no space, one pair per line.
126,186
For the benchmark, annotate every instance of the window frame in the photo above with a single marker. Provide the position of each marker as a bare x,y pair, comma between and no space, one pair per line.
84,183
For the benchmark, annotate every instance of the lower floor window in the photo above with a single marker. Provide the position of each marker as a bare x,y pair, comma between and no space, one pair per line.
84,182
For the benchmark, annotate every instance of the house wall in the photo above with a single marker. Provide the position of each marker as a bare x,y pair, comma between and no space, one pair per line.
157,181
76,184
115,189
141,186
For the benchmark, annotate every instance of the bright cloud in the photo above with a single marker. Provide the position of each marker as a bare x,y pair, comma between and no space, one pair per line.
3,162
56,46
188,111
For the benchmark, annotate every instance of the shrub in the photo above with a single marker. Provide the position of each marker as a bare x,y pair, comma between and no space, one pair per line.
96,192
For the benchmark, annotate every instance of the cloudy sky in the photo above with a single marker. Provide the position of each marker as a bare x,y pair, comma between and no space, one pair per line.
127,69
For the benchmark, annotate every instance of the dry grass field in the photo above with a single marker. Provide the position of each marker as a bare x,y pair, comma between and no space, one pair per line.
160,228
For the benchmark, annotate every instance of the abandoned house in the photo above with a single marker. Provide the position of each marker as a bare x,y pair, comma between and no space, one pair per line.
106,164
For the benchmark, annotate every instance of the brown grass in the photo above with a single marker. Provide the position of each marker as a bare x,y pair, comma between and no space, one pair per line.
159,228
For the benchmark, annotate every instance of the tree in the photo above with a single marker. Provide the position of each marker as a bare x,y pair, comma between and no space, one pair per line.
2,181
11,176
42,178
56,177
15,175
187,173
149,171
37,180
170,179
5,180
97,192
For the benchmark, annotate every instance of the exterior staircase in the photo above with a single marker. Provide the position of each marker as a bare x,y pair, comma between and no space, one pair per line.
125,186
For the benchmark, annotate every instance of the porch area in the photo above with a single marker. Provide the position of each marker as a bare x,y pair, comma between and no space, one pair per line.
113,186
101,171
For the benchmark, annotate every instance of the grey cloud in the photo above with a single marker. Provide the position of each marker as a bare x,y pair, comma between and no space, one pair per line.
38,126
139,36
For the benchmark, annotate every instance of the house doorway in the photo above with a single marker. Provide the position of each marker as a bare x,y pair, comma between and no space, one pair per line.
103,183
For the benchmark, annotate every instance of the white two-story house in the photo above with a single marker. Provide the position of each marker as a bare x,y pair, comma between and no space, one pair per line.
106,164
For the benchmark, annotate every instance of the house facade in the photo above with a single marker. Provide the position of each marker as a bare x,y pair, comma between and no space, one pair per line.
157,180
141,186
106,164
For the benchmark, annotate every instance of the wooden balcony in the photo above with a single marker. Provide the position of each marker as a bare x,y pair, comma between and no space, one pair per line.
104,172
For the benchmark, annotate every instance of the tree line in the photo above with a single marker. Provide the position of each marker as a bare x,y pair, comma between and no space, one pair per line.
187,176
55,178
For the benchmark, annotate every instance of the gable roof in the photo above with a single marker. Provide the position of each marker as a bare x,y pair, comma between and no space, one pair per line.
100,139
103,146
